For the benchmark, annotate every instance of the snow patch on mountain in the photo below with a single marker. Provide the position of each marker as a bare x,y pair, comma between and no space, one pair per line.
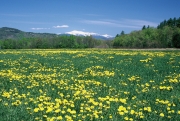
82,33
107,36
75,32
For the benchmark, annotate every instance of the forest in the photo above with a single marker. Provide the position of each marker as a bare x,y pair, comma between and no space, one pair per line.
165,35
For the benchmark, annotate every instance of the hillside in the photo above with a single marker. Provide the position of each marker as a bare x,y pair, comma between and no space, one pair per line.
12,33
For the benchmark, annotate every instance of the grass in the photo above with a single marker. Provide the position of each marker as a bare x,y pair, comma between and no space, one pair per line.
94,84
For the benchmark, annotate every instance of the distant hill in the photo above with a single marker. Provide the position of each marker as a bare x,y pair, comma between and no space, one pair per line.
12,33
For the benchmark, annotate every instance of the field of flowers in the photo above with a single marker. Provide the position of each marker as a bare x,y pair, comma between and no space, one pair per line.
83,85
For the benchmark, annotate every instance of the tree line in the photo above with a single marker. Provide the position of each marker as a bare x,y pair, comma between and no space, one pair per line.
166,35
172,22
64,41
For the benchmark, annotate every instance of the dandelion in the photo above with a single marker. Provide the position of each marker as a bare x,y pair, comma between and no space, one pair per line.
132,112
168,108
169,116
126,118
161,114
121,113
59,118
57,110
130,119
63,112
6,104
36,110
178,112
49,110
110,116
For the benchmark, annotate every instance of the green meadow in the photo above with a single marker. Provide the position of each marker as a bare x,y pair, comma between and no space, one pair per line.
89,84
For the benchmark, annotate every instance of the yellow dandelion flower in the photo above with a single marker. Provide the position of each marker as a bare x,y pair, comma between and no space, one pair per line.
130,119
161,114
63,112
49,109
179,112
132,112
36,109
121,113
126,118
169,116
57,110
59,118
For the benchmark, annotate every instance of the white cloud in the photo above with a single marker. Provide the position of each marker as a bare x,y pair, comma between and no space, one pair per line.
98,22
125,23
39,28
62,26
140,22
28,22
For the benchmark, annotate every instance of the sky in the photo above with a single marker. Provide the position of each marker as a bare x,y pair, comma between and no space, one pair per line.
103,17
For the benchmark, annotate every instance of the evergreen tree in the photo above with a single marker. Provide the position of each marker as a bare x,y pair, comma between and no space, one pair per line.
170,22
144,27
174,22
122,33
164,23
178,22
117,35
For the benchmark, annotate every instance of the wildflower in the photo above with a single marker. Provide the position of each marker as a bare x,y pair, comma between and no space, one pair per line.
132,112
121,113
63,112
49,110
126,118
73,112
179,112
6,104
161,114
147,109
130,119
168,108
96,116
36,110
122,100
169,116
59,118
57,110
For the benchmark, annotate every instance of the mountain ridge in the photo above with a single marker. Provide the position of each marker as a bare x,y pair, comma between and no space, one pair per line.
13,33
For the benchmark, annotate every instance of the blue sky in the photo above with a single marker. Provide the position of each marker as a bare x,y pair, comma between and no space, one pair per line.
104,17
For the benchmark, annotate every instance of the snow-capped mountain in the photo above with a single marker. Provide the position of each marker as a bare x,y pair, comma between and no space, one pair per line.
95,35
